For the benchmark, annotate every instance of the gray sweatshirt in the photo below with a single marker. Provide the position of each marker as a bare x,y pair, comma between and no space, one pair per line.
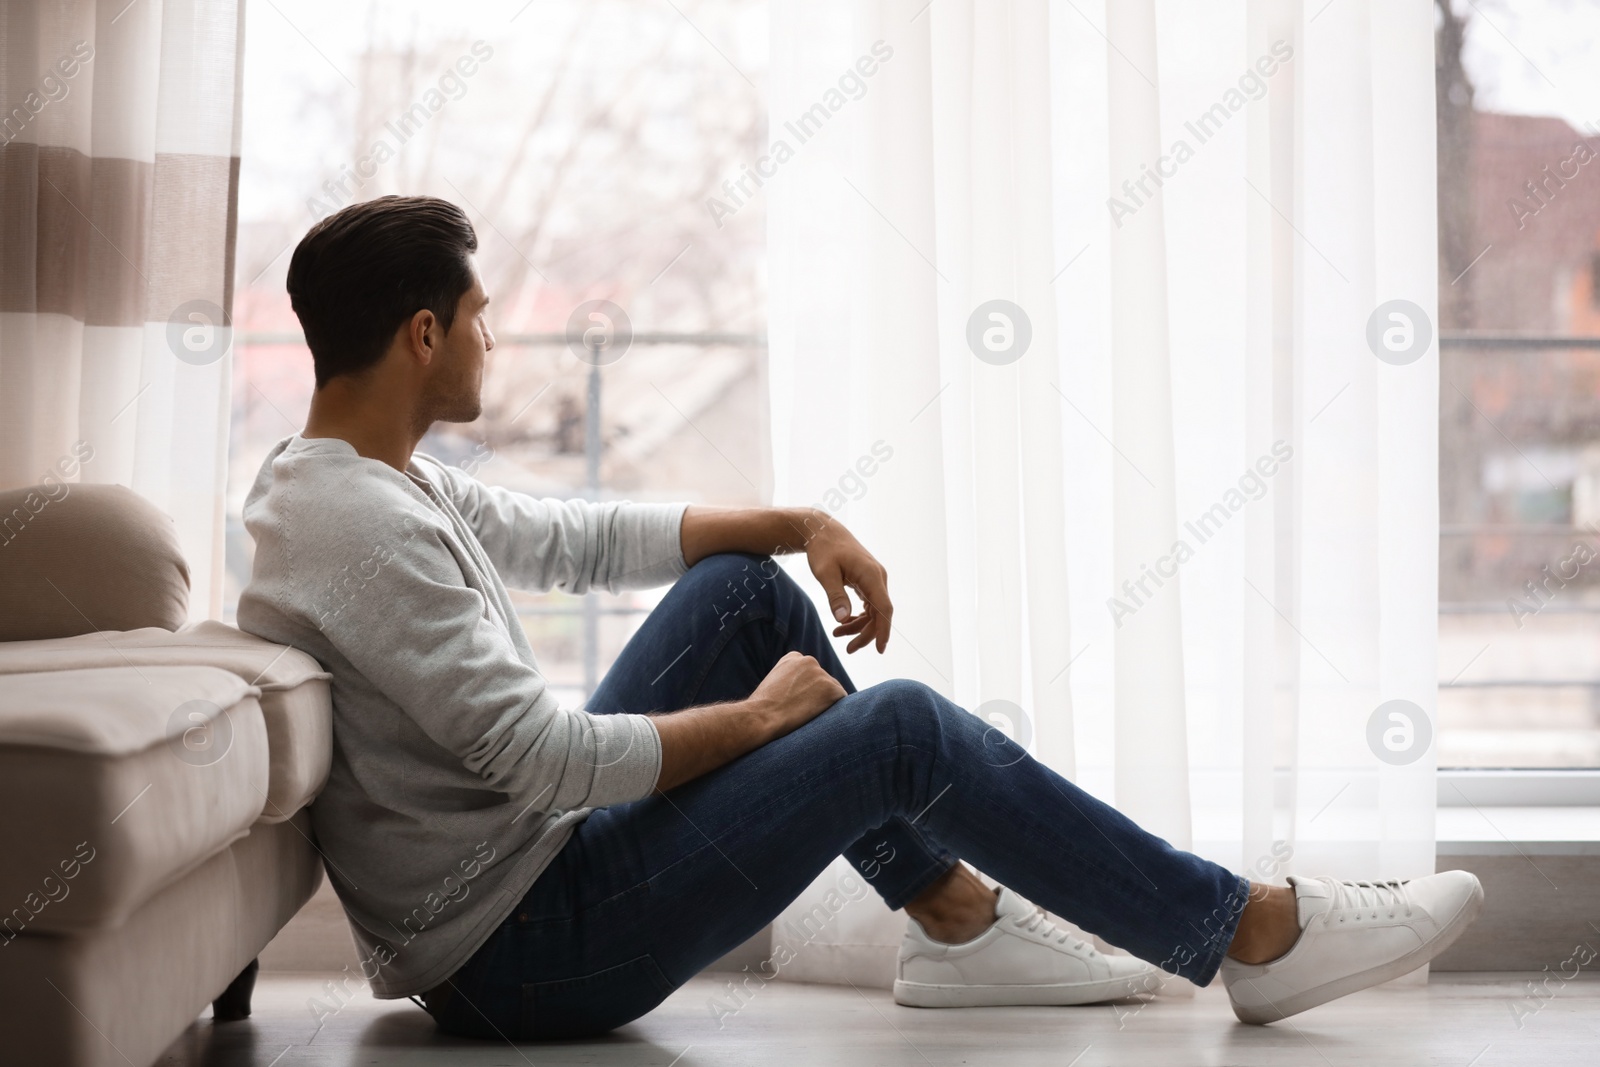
456,774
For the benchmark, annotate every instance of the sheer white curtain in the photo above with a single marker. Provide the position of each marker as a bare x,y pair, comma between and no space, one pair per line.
1191,532
119,165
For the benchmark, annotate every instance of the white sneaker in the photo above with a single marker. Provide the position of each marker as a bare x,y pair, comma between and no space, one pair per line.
1354,935
1022,959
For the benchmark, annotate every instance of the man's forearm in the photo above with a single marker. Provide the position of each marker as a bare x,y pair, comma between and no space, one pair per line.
708,530
696,741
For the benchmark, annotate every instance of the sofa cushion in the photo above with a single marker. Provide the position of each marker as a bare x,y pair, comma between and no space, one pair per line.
115,782
78,558
294,691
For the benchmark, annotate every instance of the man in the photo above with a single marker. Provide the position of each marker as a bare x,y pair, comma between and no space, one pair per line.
533,871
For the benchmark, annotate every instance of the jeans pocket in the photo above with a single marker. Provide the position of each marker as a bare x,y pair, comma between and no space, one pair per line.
594,1003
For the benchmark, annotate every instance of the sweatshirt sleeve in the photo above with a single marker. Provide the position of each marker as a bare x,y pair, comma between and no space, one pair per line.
395,605
571,545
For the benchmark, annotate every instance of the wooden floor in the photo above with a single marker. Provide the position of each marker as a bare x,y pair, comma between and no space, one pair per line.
1461,1020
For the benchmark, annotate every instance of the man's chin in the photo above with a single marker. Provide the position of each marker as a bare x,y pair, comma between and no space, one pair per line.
463,410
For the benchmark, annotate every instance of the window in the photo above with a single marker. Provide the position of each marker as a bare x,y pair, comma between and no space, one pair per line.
1519,243
583,139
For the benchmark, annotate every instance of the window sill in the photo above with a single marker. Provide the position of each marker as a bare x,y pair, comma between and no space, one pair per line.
1493,831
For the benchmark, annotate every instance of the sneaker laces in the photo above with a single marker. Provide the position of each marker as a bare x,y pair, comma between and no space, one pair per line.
1371,897
1040,924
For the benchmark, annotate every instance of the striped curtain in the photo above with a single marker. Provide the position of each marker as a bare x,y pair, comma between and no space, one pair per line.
119,165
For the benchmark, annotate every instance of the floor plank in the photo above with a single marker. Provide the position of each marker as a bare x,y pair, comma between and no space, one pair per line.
1461,1020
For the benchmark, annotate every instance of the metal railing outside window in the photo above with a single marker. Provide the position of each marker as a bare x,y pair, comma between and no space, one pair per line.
1462,354
1520,427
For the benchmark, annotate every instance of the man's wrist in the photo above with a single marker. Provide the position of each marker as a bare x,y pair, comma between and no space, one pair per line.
763,719
705,530
807,524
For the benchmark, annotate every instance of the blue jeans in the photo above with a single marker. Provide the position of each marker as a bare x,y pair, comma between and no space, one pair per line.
896,778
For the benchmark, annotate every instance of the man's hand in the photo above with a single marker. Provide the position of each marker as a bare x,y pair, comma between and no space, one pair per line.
697,740
839,563
836,558
795,691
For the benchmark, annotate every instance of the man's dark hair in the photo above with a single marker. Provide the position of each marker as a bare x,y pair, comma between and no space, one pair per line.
362,272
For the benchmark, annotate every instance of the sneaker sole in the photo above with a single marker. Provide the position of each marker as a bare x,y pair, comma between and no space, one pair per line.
923,995
1342,987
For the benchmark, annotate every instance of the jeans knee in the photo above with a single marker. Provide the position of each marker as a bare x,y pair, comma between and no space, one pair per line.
908,691
739,581
915,708
735,567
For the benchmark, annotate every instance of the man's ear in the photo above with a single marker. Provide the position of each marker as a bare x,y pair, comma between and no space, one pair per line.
423,333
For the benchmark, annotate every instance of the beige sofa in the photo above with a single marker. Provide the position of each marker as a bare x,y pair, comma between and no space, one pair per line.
153,781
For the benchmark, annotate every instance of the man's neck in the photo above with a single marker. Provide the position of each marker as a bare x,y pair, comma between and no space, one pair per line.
372,423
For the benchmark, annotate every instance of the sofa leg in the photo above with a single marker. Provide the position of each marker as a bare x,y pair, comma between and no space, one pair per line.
234,1004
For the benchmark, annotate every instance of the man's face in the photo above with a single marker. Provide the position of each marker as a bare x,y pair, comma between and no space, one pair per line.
455,387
